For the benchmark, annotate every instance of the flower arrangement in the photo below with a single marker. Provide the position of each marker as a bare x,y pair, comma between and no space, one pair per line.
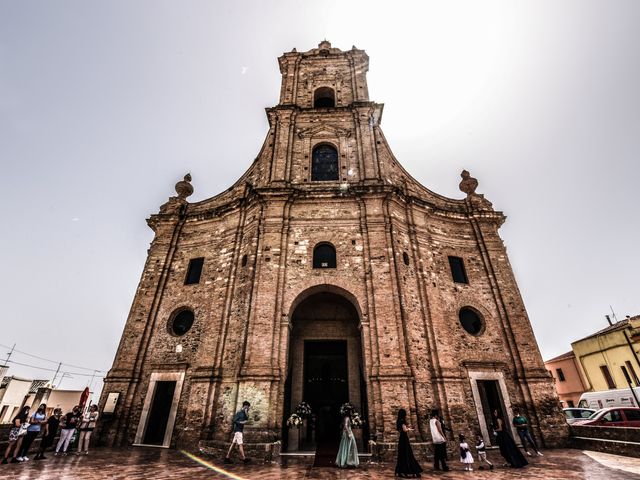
346,409
356,420
303,409
294,421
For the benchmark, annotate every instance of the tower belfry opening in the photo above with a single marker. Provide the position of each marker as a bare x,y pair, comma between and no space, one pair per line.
324,97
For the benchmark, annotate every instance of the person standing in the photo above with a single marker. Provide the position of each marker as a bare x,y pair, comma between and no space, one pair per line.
69,424
239,421
15,436
87,424
35,427
522,427
406,464
348,451
508,448
50,430
439,442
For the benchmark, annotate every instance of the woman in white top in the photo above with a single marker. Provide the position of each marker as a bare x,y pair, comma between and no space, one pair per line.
87,425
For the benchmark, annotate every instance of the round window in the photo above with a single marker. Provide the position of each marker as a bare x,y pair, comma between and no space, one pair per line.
182,322
470,321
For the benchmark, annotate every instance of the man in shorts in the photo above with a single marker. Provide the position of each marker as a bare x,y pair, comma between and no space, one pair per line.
239,419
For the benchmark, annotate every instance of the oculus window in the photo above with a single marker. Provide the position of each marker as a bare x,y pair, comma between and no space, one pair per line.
470,321
181,322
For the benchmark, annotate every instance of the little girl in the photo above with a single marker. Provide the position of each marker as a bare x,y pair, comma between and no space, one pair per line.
482,452
465,454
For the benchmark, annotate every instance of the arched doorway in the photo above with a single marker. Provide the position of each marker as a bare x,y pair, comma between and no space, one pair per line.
325,370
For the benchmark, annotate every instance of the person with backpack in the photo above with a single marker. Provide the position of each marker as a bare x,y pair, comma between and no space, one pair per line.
239,420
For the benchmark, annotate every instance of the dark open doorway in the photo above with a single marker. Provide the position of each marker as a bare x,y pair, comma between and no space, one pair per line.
491,400
326,386
159,414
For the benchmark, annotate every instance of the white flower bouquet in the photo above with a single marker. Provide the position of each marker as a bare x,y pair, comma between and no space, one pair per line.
346,409
303,409
356,420
294,420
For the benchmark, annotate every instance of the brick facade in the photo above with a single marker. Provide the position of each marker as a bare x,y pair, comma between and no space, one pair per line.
259,298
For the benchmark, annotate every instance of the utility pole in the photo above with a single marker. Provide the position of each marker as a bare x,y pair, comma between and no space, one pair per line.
56,374
91,381
9,354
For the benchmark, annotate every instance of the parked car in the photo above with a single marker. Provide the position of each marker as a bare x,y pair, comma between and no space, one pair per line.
573,414
613,417
618,397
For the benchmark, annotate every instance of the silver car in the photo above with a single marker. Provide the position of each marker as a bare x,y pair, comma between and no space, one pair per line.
574,414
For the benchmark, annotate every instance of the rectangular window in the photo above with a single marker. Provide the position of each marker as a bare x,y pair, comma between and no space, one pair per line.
457,270
626,375
607,376
570,404
194,271
560,374
633,373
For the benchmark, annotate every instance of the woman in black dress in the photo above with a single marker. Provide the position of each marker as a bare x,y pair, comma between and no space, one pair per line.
407,464
508,448
50,431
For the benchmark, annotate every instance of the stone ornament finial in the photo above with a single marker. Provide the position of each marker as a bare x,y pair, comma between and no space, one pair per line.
324,45
468,184
184,188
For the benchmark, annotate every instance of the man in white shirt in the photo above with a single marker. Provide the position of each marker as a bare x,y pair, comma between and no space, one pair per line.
439,442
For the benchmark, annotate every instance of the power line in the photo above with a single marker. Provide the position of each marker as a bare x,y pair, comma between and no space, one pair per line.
54,369
49,360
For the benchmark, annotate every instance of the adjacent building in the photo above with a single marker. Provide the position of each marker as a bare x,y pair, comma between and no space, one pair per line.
567,376
16,392
609,358
326,274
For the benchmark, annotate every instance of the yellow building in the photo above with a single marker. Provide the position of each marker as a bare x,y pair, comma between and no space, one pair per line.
610,358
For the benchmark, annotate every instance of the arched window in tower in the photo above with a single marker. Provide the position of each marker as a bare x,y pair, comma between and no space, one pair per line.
324,97
324,256
324,163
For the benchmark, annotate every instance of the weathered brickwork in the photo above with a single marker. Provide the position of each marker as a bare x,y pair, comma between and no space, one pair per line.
392,239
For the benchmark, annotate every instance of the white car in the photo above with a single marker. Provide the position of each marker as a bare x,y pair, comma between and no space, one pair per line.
575,414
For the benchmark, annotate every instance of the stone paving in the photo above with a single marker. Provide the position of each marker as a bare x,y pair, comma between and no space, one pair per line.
158,464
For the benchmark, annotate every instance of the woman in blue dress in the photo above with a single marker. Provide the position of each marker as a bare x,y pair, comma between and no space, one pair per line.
348,451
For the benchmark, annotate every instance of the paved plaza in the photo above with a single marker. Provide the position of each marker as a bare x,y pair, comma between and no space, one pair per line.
157,464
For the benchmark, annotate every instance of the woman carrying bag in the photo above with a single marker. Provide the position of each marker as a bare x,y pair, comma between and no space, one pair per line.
16,434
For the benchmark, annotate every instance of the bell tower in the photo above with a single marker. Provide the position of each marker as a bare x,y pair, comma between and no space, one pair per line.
324,125
323,73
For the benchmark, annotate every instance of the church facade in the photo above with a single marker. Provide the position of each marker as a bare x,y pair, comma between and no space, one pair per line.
326,274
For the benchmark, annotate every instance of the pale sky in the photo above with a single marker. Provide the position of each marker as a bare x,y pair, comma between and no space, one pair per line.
105,105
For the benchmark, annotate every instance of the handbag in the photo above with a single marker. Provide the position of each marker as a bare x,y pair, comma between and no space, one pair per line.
23,429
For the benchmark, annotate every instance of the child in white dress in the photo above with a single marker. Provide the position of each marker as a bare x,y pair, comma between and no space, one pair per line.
465,453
